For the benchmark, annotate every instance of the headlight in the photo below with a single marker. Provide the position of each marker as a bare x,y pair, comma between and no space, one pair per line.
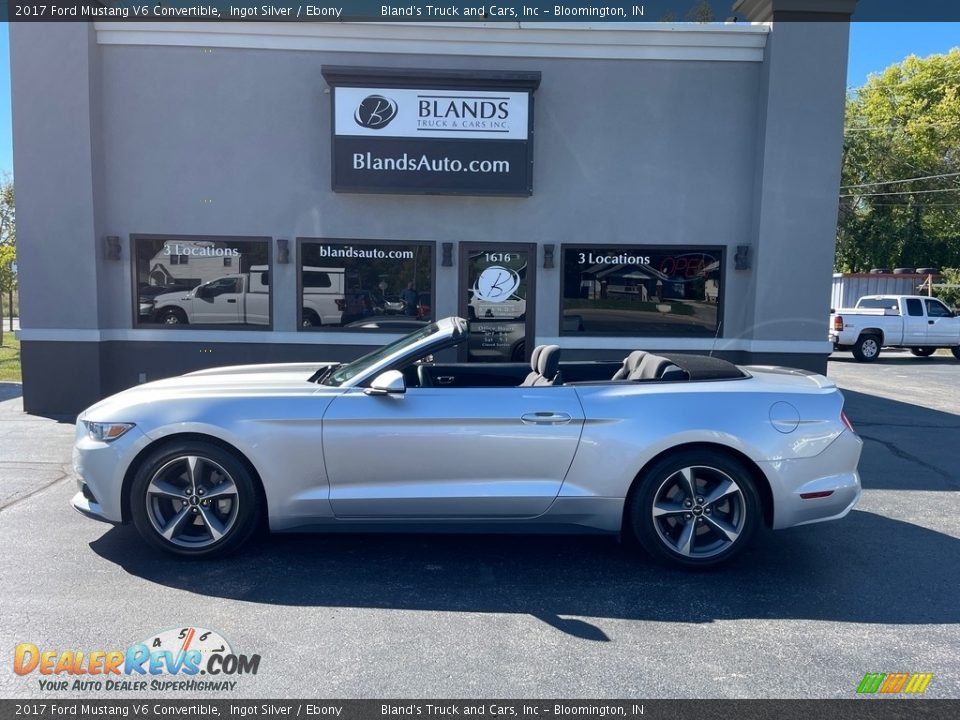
105,432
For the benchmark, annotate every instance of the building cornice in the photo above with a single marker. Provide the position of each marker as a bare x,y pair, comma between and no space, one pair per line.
633,41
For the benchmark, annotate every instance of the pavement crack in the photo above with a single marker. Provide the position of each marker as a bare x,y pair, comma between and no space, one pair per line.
63,476
910,457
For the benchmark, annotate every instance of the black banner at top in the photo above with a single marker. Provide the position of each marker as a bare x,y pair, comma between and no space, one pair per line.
530,11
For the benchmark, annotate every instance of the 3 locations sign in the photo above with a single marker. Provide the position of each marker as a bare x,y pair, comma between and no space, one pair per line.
439,132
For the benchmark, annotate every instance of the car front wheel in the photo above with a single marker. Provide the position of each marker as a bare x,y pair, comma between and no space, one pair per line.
172,316
695,509
923,351
194,499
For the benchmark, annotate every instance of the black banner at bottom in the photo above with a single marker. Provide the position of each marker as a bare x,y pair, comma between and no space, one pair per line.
873,708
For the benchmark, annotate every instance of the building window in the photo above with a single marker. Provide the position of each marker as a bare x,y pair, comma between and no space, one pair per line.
641,291
365,284
189,281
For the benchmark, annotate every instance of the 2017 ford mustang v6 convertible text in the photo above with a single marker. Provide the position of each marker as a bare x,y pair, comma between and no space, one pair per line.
687,454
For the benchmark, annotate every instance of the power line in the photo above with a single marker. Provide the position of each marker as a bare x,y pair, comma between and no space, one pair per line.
894,182
904,192
875,128
924,206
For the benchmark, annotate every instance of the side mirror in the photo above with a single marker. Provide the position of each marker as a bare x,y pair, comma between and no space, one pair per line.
389,383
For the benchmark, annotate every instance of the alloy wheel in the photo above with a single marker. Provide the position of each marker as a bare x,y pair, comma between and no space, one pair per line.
192,501
699,512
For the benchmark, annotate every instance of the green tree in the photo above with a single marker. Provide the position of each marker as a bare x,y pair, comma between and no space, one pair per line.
904,123
951,293
8,244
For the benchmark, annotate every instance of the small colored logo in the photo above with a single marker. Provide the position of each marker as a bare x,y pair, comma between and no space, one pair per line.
496,284
186,652
375,112
894,683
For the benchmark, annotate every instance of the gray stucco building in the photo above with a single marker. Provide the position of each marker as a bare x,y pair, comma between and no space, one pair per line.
197,194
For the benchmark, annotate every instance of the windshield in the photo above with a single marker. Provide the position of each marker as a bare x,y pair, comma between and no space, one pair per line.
343,373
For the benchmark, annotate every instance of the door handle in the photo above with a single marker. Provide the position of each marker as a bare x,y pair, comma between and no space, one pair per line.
234,300
444,379
546,418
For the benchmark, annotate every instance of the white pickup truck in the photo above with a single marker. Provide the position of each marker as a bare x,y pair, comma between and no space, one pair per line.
919,323
244,299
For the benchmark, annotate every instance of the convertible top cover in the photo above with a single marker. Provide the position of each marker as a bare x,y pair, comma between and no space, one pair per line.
702,367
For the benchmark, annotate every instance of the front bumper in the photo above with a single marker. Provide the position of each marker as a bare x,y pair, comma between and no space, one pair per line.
89,508
100,468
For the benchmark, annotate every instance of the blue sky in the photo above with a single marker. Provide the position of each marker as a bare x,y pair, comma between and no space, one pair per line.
873,46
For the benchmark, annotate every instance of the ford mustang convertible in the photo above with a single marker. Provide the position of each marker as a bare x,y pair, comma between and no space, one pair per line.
689,455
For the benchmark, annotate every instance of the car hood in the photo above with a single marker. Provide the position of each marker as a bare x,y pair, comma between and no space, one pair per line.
225,382
170,296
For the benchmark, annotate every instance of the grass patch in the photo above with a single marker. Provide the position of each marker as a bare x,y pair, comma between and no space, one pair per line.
10,359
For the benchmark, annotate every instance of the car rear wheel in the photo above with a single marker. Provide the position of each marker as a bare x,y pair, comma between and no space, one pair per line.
867,348
695,509
923,351
195,499
310,319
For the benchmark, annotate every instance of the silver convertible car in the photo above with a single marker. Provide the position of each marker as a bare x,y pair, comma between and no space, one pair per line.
686,454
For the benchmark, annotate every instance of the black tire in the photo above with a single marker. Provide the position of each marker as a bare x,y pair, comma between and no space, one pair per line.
310,319
867,348
172,316
161,496
700,537
923,351
956,351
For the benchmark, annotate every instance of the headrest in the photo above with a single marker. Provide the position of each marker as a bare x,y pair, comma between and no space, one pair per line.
535,357
549,361
650,368
630,363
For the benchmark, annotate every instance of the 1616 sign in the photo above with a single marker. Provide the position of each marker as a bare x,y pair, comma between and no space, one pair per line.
440,132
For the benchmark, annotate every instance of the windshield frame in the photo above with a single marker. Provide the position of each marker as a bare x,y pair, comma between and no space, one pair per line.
409,347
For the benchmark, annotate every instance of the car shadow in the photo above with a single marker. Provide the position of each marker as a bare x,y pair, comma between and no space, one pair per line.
902,359
864,569
906,446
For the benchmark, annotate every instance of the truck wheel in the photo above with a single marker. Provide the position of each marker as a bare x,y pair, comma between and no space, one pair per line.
923,351
867,348
309,319
172,316
956,351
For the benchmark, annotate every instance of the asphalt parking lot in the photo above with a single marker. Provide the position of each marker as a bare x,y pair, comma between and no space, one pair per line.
805,613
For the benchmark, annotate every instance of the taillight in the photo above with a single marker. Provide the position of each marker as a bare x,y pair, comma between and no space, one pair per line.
838,323
846,421
341,304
